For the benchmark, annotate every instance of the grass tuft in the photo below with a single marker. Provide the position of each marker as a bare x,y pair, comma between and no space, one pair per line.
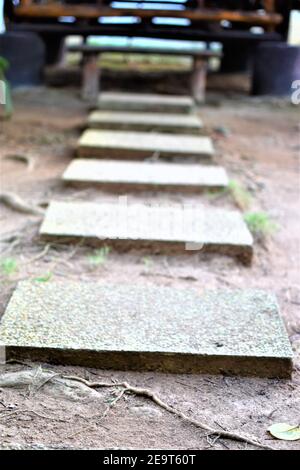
8,266
99,257
241,196
44,278
260,224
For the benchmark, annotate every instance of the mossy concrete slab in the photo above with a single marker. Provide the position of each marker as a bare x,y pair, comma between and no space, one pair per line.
147,328
137,121
121,175
122,101
125,144
158,228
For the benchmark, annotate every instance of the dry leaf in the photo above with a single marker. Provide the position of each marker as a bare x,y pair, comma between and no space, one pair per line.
285,431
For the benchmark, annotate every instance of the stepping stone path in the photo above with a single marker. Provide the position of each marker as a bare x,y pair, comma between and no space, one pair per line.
164,228
141,327
118,144
116,175
134,121
147,328
145,102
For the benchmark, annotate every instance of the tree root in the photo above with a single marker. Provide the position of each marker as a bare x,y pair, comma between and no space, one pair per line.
35,380
147,393
39,255
15,202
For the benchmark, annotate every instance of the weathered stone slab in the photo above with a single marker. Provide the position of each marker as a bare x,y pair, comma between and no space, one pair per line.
112,174
147,328
120,101
135,121
124,144
163,228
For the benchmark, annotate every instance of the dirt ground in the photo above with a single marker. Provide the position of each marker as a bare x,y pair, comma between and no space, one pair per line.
258,141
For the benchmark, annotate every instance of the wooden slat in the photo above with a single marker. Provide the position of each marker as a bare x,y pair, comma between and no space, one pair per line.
86,48
55,10
192,33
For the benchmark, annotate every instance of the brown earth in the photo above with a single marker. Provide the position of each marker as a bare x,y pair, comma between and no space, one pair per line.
258,142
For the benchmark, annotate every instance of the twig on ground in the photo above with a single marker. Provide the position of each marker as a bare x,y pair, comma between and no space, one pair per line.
24,410
167,276
144,392
113,403
29,161
223,444
220,425
15,202
45,382
270,414
186,385
36,374
212,442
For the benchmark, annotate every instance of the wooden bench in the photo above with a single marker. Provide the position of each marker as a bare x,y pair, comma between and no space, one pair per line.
91,73
89,11
202,20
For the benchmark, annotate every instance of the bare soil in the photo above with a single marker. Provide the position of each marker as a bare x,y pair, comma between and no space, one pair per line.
258,141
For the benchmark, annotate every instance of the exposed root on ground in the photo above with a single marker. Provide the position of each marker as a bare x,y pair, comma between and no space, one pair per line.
78,389
15,202
40,255
34,380
147,393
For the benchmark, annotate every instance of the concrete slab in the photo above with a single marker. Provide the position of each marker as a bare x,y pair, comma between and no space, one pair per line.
163,228
147,328
122,101
135,121
125,144
120,175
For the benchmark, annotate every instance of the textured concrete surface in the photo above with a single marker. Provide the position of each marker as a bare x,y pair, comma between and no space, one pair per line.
161,227
118,144
160,122
120,101
152,328
142,175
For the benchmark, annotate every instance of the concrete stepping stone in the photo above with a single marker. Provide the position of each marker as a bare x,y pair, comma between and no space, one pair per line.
147,328
112,174
135,121
122,101
125,144
163,228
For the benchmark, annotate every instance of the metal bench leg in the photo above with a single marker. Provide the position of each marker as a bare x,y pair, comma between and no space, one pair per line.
90,78
198,79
